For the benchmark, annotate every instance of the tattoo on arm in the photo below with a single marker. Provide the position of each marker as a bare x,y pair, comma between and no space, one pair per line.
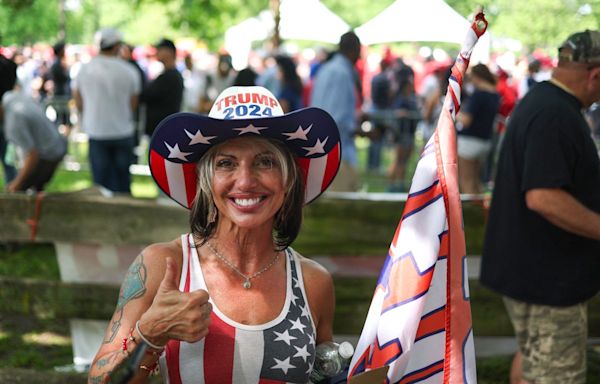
134,286
103,366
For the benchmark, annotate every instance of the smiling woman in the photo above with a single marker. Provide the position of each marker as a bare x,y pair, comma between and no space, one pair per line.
231,302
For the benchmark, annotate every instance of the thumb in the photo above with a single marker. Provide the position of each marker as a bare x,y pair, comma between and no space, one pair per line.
169,282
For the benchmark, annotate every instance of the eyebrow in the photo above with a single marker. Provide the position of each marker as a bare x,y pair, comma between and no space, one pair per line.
267,152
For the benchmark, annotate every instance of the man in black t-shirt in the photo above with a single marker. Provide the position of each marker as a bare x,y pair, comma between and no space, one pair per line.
542,245
164,94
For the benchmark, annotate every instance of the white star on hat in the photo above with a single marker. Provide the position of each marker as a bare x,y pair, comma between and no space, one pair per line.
198,138
250,129
284,365
284,336
302,352
299,134
317,148
297,324
175,152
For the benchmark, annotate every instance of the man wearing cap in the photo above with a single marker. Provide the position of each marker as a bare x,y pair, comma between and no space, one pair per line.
106,92
164,94
542,245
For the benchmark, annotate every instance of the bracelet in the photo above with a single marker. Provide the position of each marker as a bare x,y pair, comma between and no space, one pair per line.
151,345
149,369
127,339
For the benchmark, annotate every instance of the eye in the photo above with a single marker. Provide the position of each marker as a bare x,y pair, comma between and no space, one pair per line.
224,164
265,162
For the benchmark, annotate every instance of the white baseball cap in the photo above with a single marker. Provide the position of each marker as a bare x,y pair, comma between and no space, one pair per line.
107,37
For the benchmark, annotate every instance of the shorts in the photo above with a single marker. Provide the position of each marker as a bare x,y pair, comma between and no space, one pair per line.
552,340
472,148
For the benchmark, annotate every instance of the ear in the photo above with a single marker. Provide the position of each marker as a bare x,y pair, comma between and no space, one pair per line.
594,75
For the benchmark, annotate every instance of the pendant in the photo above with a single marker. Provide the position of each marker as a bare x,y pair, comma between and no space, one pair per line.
247,284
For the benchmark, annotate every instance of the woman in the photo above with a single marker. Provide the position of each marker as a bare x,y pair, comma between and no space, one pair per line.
477,117
231,302
290,92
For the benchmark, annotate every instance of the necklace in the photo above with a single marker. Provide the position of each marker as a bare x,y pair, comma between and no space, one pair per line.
247,284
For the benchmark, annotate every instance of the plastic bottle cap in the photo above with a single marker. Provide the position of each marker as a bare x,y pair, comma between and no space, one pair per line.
346,350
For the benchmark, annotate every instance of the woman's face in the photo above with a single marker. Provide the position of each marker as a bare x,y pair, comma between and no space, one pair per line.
247,184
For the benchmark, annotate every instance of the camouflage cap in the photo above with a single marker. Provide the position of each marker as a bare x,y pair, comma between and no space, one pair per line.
581,47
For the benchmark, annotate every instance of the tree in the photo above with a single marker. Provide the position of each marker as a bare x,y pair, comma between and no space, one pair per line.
536,23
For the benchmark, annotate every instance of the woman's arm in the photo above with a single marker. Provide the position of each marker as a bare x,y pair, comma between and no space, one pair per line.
150,294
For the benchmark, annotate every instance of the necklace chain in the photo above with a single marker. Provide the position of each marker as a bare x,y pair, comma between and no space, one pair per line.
247,284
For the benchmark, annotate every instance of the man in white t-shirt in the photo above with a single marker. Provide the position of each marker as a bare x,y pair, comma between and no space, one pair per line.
106,92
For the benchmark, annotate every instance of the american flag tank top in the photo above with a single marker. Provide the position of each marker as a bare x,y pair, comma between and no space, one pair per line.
279,351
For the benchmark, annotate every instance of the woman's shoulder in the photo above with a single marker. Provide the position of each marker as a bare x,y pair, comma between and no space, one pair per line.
156,254
312,271
164,249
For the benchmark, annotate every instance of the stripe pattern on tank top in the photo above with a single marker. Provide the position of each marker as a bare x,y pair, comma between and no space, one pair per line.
280,351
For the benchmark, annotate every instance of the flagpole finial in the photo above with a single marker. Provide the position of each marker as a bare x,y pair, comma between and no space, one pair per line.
480,24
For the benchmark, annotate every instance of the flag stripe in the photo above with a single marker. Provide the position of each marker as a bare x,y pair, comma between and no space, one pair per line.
176,180
423,373
304,164
333,163
220,341
316,172
159,171
247,360
189,172
191,368
432,323
172,356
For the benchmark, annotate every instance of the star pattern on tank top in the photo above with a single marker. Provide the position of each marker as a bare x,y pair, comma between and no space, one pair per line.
290,345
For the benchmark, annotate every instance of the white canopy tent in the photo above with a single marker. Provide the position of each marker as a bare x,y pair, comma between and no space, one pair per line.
300,20
423,21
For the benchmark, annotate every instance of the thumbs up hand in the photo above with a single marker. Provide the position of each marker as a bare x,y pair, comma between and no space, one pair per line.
176,315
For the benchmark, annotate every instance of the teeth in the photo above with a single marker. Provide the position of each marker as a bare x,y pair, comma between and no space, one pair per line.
247,202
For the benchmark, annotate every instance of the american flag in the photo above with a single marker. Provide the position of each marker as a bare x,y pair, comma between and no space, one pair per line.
419,322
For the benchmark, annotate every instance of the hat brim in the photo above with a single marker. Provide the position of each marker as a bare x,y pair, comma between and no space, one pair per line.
181,139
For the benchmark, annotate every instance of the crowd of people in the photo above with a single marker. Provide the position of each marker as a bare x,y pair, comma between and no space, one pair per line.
393,108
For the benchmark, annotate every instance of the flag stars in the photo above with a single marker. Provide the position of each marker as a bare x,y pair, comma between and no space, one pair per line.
284,365
310,367
304,312
198,138
299,134
175,152
297,324
294,298
317,148
250,129
285,337
302,352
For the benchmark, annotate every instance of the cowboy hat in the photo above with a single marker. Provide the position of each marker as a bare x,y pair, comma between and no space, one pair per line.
181,139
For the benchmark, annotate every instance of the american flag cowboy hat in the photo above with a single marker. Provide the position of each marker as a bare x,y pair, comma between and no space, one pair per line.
180,140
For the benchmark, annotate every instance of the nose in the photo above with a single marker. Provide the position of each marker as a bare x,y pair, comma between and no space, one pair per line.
246,176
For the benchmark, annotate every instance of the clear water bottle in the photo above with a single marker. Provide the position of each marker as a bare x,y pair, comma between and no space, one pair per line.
331,360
